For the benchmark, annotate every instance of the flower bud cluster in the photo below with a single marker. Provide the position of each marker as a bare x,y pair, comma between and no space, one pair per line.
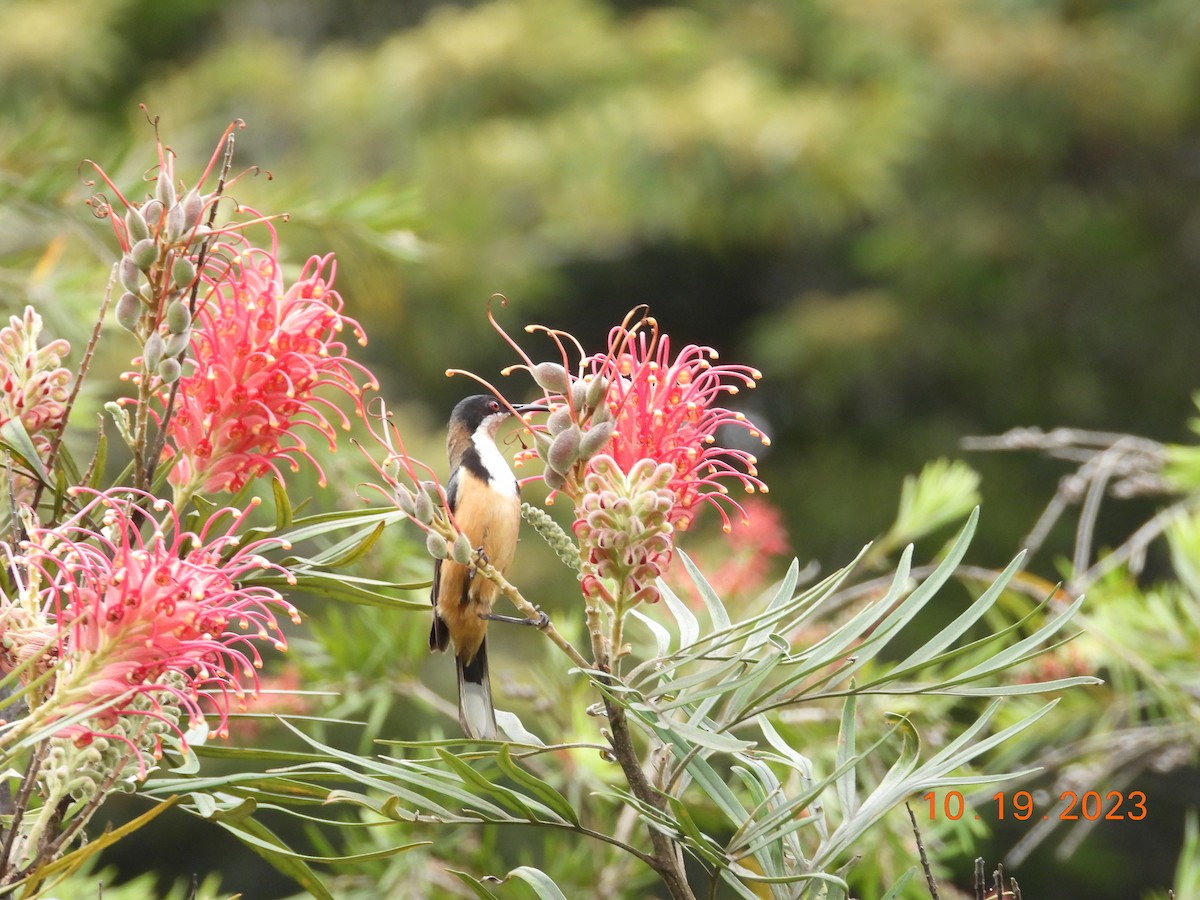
34,385
579,427
87,758
161,240
624,529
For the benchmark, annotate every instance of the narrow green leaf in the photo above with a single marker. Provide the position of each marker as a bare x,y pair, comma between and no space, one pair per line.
897,890
846,745
477,886
540,789
948,635
77,857
14,438
283,505
541,883
689,627
662,637
716,609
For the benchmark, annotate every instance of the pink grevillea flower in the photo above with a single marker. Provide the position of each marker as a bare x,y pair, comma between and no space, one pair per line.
632,438
264,355
34,386
665,410
151,621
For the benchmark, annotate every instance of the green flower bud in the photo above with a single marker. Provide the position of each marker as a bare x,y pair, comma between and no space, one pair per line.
595,439
152,211
554,481
152,353
597,391
129,311
551,377
436,545
424,508
175,223
602,413
579,392
164,190
558,421
129,274
177,343
564,451
461,551
178,317
135,225
183,271
193,206
405,500
169,370
144,253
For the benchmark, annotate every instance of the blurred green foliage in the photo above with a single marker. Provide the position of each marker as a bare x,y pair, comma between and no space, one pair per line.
921,220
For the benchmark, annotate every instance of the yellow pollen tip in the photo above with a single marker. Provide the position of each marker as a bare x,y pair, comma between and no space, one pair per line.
766,441
727,528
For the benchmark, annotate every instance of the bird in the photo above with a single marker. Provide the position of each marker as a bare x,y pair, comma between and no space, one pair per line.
484,498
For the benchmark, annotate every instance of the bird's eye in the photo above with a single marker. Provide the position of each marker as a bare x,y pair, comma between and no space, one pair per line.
494,406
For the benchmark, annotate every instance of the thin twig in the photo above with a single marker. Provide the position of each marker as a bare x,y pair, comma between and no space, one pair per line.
929,879
84,366
490,572
22,801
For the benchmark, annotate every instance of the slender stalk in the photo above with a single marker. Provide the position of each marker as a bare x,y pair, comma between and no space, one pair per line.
84,366
22,801
527,609
667,859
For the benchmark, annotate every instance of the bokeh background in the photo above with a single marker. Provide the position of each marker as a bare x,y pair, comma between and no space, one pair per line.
921,220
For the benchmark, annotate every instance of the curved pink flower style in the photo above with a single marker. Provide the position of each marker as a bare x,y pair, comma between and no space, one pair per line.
665,410
264,356
151,620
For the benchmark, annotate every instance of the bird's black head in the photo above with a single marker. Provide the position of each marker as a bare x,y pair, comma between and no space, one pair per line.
472,412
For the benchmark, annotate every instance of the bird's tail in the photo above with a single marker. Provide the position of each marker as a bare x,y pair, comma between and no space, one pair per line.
475,710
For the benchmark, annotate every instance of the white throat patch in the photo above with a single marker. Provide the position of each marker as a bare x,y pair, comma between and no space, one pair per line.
500,476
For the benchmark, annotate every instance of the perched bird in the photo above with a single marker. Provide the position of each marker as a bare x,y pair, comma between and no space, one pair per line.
483,496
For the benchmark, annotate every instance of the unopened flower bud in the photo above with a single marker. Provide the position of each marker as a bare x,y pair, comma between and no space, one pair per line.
152,353
192,205
129,274
558,421
553,480
595,439
405,500
164,190
564,451
602,413
175,223
579,392
135,225
177,343
152,212
169,370
179,319
128,311
461,550
436,545
423,512
597,391
144,253
551,377
183,270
